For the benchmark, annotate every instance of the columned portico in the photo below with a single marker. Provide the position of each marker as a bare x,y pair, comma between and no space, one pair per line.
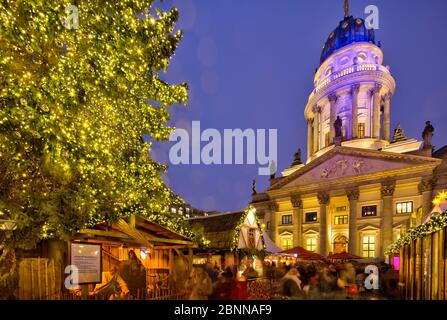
353,197
297,219
387,192
323,199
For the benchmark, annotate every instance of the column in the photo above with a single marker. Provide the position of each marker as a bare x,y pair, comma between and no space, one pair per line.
297,220
316,145
375,94
387,192
310,139
273,207
333,114
353,197
426,189
386,117
323,199
355,109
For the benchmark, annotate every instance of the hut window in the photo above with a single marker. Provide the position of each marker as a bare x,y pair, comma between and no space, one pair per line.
252,238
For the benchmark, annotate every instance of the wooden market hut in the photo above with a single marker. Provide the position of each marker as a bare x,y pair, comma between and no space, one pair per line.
232,236
161,251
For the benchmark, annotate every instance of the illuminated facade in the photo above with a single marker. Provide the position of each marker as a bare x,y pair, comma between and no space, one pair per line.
361,186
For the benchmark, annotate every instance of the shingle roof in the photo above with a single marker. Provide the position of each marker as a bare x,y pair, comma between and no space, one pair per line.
219,229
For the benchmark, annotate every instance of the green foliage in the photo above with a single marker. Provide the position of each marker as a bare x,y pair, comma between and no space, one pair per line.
74,106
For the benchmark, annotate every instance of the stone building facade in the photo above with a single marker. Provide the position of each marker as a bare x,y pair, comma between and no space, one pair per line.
361,186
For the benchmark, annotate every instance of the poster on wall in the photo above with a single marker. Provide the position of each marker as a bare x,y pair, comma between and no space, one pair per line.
87,258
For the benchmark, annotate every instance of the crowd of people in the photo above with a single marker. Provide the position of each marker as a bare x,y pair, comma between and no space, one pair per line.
300,280
336,280
284,280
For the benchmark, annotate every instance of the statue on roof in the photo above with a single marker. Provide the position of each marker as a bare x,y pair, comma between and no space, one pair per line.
427,134
253,187
297,158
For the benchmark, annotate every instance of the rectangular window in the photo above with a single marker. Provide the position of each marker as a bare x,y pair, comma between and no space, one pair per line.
339,220
286,220
268,225
341,209
404,207
360,130
327,139
369,211
251,238
369,246
311,244
311,216
286,243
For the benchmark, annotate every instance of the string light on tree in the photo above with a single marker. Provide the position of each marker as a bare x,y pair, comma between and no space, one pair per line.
74,106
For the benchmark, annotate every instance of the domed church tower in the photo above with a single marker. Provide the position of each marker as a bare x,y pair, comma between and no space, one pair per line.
353,84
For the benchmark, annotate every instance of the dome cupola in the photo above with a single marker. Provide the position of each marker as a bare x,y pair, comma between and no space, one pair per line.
350,30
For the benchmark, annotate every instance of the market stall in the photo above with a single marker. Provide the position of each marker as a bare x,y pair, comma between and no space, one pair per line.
422,256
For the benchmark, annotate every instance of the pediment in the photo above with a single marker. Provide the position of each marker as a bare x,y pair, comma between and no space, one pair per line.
346,162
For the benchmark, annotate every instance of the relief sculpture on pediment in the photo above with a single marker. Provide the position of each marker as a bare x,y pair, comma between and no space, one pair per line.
343,167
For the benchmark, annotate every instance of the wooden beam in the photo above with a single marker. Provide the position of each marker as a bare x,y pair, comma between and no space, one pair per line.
176,248
112,234
171,241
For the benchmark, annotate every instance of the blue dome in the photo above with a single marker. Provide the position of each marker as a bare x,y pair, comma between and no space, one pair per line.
349,31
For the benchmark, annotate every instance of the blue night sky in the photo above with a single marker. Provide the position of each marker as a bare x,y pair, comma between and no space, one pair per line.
250,64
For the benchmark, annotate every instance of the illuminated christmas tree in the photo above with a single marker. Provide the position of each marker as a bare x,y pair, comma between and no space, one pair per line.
79,88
